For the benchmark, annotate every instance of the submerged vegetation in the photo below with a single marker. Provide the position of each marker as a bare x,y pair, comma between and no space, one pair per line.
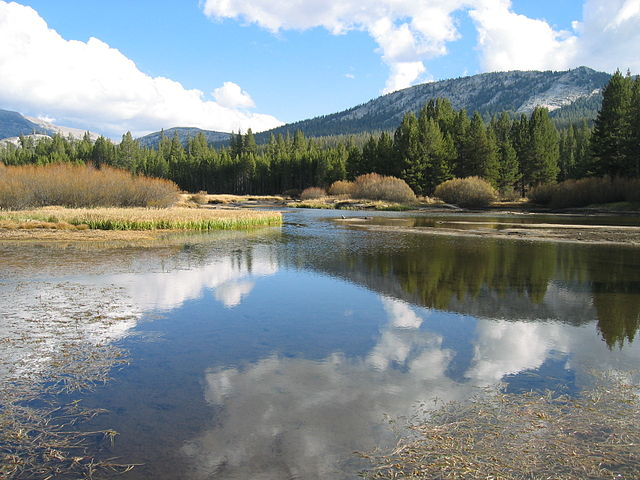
177,218
52,347
522,435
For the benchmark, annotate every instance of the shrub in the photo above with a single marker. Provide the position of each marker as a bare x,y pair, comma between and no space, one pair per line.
81,186
373,186
201,198
313,193
467,192
342,187
586,191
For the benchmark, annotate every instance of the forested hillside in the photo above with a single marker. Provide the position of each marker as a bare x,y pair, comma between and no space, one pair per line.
439,143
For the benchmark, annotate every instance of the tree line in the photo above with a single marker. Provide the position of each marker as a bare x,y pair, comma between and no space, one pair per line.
440,143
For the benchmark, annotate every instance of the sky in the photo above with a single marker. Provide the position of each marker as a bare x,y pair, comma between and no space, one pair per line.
230,65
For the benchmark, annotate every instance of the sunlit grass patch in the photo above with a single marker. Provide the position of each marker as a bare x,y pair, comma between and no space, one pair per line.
140,218
530,435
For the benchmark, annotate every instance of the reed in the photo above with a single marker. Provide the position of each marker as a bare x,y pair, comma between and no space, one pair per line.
144,218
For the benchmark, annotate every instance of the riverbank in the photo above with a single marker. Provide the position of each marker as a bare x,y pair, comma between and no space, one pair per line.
553,232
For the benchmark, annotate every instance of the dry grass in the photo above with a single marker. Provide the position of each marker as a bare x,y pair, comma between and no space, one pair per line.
523,436
139,218
71,185
470,192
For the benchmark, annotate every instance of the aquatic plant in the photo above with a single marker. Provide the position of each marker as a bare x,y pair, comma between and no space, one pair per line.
512,436
145,218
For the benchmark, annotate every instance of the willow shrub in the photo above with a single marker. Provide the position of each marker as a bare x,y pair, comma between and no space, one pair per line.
373,186
312,193
342,187
77,186
470,192
586,191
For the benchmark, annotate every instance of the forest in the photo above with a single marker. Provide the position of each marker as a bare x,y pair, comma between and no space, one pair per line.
513,153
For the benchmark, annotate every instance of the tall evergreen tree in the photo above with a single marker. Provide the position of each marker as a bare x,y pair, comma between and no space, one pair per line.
542,152
610,139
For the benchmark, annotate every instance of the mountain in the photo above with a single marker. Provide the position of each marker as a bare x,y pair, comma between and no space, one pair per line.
184,133
14,124
488,93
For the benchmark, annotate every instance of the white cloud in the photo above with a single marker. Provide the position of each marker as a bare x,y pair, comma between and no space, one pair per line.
509,41
230,95
94,85
408,32
602,40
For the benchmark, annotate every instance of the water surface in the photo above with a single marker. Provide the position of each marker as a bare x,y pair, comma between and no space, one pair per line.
277,353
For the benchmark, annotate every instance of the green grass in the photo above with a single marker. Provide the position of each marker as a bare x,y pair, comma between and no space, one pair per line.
146,219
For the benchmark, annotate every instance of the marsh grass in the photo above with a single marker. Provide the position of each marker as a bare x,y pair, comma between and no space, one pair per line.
533,435
140,218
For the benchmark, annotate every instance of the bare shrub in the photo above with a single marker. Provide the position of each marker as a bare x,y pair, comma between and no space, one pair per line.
586,191
373,186
201,198
312,193
342,187
470,192
81,186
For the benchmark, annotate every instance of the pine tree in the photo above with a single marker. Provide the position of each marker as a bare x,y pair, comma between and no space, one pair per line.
542,152
610,139
633,138
479,152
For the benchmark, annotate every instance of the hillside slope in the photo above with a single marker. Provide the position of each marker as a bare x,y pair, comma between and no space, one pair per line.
488,93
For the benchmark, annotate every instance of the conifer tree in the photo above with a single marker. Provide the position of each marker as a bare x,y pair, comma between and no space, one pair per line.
610,139
541,161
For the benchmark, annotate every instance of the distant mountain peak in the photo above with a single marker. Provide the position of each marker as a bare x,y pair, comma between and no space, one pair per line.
488,93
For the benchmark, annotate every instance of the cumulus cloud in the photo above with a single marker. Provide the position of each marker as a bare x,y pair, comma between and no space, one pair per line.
509,41
230,95
408,32
94,85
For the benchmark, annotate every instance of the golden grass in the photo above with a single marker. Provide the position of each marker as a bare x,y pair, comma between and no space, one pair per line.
138,218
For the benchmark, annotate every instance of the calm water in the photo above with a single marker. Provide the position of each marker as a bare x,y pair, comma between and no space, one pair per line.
275,354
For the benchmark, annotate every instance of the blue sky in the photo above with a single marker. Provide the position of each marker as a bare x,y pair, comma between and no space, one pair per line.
276,62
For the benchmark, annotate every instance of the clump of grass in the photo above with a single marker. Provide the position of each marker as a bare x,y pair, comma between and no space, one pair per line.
586,191
147,219
516,436
313,193
32,186
470,192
